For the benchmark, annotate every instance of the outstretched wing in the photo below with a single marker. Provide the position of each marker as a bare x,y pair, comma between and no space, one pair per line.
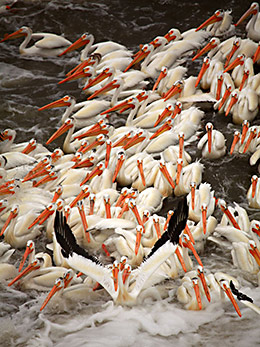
176,225
67,240
78,258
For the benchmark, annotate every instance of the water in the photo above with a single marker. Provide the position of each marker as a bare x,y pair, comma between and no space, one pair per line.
28,83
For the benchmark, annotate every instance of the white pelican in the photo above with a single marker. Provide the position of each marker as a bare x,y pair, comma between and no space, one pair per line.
68,146
186,175
189,293
10,160
211,48
164,174
250,142
225,85
121,289
187,122
238,139
253,26
167,77
39,274
240,216
245,256
243,68
87,40
221,284
169,57
209,70
219,24
31,147
243,105
7,270
203,206
15,229
229,213
246,47
65,290
49,45
84,113
186,91
246,300
193,293
150,169
253,193
212,144
197,232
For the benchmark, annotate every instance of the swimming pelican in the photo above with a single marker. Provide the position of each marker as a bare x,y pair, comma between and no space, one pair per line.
31,147
253,26
203,206
245,257
209,70
219,24
16,231
212,144
253,194
68,146
7,270
242,105
189,174
167,77
65,290
87,40
49,45
39,274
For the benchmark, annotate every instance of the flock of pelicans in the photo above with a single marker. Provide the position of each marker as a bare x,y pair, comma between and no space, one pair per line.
96,199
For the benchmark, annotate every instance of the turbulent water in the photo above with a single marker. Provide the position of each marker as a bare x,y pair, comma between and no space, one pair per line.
27,83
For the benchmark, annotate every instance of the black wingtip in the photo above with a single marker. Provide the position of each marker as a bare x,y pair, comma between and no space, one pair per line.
240,296
178,221
63,233
176,225
67,240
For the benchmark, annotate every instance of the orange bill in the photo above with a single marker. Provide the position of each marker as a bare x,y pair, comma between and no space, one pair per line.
197,291
57,286
12,215
35,265
238,61
139,230
212,44
205,66
216,17
203,281
235,141
82,41
224,97
65,127
30,147
107,206
161,76
166,174
179,255
252,135
141,170
236,45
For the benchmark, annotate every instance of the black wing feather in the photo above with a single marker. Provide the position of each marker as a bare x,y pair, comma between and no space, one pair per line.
67,240
176,225
239,295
